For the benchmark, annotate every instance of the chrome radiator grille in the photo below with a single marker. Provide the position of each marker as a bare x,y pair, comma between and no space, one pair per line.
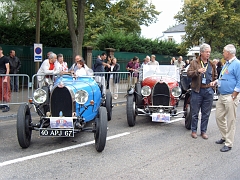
160,94
61,100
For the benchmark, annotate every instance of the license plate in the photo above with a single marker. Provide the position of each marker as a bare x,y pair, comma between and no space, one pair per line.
160,117
57,132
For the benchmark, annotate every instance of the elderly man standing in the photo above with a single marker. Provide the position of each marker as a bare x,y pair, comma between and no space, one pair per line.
203,73
226,106
47,68
179,63
153,60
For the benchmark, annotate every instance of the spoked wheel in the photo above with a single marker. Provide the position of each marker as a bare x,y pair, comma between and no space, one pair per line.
24,129
188,117
109,105
131,112
101,130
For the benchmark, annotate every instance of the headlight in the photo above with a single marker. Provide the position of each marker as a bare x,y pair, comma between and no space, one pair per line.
146,91
81,97
40,96
176,91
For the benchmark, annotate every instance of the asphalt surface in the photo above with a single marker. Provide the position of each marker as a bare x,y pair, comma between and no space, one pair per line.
148,150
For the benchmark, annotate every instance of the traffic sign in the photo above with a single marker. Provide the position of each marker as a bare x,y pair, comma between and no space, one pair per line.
37,52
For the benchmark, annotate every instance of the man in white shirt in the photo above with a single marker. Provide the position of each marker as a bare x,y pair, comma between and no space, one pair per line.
179,63
153,60
48,67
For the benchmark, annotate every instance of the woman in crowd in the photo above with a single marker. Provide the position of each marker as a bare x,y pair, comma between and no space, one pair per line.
219,68
114,78
107,69
172,60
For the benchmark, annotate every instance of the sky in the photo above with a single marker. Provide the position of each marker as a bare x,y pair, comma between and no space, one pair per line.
168,9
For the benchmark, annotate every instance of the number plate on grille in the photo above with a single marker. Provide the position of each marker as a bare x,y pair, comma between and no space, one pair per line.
57,132
160,117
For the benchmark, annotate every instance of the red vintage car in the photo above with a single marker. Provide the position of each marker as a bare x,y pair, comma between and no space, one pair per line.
156,95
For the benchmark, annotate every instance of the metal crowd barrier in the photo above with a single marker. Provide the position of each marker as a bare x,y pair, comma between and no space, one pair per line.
14,95
125,80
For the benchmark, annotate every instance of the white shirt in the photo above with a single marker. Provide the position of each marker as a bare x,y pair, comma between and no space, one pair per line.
81,72
153,63
44,69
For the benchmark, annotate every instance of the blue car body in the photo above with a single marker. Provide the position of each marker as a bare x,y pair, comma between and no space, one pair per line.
87,84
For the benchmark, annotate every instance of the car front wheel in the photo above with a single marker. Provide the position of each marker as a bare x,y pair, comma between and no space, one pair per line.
131,112
24,130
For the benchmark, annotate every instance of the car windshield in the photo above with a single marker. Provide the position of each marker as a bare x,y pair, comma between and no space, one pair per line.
161,70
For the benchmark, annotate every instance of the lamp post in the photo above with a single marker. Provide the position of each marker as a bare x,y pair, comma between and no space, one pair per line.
38,29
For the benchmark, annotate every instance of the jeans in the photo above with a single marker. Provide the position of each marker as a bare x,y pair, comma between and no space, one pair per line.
203,100
14,83
101,79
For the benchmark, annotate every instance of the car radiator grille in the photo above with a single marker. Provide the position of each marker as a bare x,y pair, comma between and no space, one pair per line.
160,95
61,100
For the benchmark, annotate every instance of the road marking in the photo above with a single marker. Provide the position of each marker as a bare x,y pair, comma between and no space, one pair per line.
180,119
57,150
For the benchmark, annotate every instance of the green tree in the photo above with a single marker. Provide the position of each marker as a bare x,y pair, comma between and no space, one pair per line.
214,22
85,20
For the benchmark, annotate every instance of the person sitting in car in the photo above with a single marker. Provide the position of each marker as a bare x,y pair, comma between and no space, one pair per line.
81,71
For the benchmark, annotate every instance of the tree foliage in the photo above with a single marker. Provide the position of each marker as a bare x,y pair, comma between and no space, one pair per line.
100,16
131,42
214,22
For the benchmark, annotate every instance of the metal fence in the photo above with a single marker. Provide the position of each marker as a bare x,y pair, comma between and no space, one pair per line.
10,94
122,80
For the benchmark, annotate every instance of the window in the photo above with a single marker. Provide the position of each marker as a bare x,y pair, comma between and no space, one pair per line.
170,38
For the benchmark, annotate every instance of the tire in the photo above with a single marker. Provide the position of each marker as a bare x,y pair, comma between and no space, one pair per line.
109,105
24,130
131,114
101,130
139,98
188,117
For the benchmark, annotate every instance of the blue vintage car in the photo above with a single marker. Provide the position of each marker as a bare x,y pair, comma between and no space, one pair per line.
65,108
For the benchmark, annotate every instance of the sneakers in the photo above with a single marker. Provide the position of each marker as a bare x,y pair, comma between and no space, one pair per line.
6,109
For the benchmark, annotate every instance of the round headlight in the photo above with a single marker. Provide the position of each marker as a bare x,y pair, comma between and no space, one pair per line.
146,91
40,96
176,91
81,97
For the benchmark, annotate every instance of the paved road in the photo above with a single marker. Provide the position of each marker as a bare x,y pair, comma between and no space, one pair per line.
146,151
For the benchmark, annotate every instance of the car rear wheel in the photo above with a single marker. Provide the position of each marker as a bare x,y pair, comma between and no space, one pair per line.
139,97
188,117
101,130
131,114
109,105
24,130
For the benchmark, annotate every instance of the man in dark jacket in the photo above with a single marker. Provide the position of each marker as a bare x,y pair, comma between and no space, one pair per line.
99,67
203,73
15,65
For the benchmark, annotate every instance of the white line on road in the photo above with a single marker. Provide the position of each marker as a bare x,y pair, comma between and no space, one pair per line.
57,150
180,119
